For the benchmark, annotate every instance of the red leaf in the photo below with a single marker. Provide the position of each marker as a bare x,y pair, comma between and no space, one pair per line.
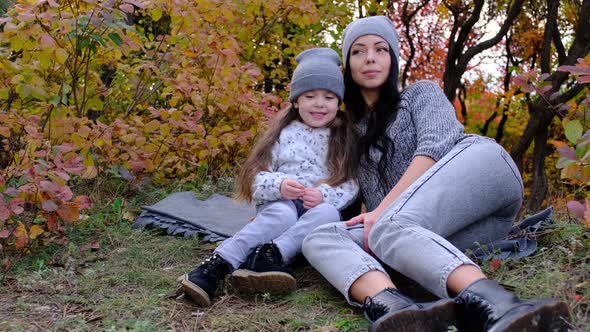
127,8
52,222
495,264
567,152
576,208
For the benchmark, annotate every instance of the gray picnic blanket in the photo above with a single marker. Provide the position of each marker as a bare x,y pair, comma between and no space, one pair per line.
181,213
219,217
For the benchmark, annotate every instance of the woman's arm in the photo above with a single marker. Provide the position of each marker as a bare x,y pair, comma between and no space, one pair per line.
418,166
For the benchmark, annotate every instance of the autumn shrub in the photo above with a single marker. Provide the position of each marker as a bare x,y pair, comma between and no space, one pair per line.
145,90
574,154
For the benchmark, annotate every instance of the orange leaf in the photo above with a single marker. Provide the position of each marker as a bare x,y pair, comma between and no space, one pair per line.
52,222
68,212
21,236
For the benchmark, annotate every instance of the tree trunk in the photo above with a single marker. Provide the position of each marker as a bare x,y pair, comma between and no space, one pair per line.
540,183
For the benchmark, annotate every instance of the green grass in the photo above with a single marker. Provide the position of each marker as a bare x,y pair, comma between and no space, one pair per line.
110,277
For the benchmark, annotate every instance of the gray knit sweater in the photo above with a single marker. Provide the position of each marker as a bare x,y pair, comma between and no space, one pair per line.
426,125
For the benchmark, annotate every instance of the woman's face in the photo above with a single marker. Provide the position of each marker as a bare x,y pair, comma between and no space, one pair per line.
369,61
317,108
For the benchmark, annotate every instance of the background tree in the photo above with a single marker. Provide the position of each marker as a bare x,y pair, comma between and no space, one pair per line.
553,88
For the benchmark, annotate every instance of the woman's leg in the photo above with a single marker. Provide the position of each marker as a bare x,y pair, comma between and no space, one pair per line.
272,219
336,252
474,181
289,243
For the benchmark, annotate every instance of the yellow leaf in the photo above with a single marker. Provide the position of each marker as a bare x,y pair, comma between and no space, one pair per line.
89,160
35,231
128,138
157,14
165,129
203,154
174,101
90,173
61,55
151,126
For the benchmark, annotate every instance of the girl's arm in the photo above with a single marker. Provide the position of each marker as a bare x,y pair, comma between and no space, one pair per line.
340,196
267,184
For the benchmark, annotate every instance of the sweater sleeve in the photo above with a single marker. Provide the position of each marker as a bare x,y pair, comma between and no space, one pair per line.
437,127
267,184
340,196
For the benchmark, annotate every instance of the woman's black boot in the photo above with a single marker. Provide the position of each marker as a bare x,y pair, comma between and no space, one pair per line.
391,310
487,306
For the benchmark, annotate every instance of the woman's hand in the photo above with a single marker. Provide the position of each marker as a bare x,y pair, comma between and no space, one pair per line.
291,189
311,198
368,219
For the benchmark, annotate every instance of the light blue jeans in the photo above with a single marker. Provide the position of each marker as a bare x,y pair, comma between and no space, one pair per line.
469,196
279,222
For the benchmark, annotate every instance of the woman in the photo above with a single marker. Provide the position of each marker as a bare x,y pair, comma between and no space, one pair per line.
430,191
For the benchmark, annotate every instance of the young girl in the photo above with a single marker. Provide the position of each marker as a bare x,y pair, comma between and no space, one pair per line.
300,174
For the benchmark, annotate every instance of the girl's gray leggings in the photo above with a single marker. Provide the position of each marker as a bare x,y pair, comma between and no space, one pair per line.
276,221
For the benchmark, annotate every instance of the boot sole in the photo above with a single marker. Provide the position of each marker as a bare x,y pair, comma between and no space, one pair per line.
275,282
547,316
437,318
194,292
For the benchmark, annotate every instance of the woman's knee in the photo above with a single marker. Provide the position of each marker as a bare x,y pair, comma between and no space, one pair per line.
319,236
388,228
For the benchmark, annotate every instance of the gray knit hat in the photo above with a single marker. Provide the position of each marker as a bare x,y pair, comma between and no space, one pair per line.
372,25
317,68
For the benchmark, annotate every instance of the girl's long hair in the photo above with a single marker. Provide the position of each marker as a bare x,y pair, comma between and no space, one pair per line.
383,113
342,156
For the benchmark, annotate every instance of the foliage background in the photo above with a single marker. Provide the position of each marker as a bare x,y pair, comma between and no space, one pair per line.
152,93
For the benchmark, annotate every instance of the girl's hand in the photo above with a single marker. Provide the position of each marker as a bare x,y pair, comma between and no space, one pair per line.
368,219
291,189
311,198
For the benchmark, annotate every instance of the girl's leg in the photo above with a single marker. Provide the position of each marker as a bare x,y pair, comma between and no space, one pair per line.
272,219
289,243
475,181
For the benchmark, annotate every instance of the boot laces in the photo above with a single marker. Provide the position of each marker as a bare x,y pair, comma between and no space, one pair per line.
373,309
210,264
269,255
476,305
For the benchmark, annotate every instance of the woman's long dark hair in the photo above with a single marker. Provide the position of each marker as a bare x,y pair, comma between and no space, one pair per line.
382,114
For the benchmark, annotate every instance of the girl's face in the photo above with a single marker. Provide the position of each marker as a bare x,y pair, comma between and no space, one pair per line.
369,61
317,108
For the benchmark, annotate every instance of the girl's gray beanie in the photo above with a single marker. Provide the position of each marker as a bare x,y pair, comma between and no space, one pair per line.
317,68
